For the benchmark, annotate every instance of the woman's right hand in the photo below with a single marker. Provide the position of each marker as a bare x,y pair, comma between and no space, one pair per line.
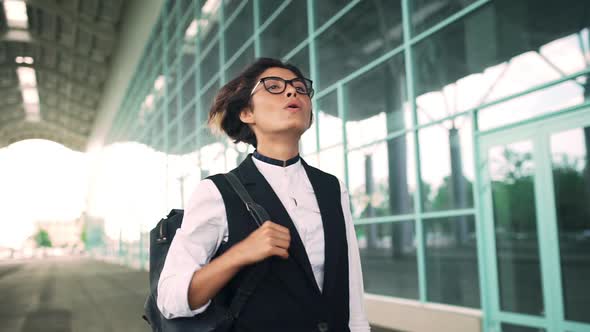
270,239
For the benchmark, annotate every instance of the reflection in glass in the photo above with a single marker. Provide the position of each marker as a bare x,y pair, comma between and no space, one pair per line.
230,7
184,7
381,178
172,137
205,137
426,13
446,165
239,30
457,70
172,104
173,73
571,178
208,25
159,143
365,32
172,49
287,31
209,65
188,89
331,132
377,103
388,259
329,121
301,60
567,53
188,24
332,161
157,35
324,10
517,248
159,122
207,100
567,94
267,8
518,328
309,139
171,10
240,63
189,123
451,261
187,61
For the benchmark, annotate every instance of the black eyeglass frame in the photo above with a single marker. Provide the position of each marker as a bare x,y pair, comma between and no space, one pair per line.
306,81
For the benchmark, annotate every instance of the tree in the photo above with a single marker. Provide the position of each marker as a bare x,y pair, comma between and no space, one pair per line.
514,194
571,194
42,239
444,198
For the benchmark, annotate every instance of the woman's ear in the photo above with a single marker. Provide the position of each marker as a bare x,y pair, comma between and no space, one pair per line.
246,115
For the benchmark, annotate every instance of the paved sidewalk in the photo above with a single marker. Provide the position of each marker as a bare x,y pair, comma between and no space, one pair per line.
71,294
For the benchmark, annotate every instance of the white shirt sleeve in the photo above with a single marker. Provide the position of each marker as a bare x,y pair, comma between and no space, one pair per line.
358,318
204,227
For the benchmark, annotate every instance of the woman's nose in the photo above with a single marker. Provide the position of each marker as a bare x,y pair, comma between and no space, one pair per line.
290,90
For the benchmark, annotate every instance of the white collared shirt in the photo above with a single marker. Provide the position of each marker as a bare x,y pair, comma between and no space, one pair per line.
204,227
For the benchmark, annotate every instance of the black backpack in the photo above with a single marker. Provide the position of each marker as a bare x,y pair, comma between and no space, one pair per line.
216,318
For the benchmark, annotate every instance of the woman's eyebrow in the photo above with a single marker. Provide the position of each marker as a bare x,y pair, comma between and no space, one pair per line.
286,79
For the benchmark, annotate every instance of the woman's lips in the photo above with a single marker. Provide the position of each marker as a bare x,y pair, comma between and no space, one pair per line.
293,106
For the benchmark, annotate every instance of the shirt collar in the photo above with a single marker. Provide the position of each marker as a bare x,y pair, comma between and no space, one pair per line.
283,163
294,175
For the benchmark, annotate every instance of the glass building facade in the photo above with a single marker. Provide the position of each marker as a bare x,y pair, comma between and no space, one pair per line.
460,127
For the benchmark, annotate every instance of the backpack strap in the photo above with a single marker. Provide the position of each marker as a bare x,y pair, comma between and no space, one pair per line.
257,212
257,272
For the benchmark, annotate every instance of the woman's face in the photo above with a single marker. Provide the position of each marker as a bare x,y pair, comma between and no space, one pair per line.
287,113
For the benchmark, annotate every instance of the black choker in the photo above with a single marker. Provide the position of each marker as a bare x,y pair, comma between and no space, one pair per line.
283,163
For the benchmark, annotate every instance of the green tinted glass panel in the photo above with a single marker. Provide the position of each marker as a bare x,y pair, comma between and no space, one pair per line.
451,261
515,225
570,151
388,258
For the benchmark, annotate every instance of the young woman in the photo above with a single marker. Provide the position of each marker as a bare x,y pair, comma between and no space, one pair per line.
315,280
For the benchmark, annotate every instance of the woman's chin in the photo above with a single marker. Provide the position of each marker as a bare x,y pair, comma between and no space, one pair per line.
292,130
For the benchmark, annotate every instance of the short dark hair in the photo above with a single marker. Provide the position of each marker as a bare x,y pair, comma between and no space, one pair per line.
233,97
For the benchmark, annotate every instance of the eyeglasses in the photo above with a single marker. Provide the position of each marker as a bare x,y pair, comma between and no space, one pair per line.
277,85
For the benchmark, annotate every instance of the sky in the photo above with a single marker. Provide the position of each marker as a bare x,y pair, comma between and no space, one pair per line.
40,180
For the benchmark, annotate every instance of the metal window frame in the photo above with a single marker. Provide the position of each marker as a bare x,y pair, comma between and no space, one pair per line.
155,59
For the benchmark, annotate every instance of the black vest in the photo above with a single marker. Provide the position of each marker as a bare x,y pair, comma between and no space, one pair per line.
288,298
